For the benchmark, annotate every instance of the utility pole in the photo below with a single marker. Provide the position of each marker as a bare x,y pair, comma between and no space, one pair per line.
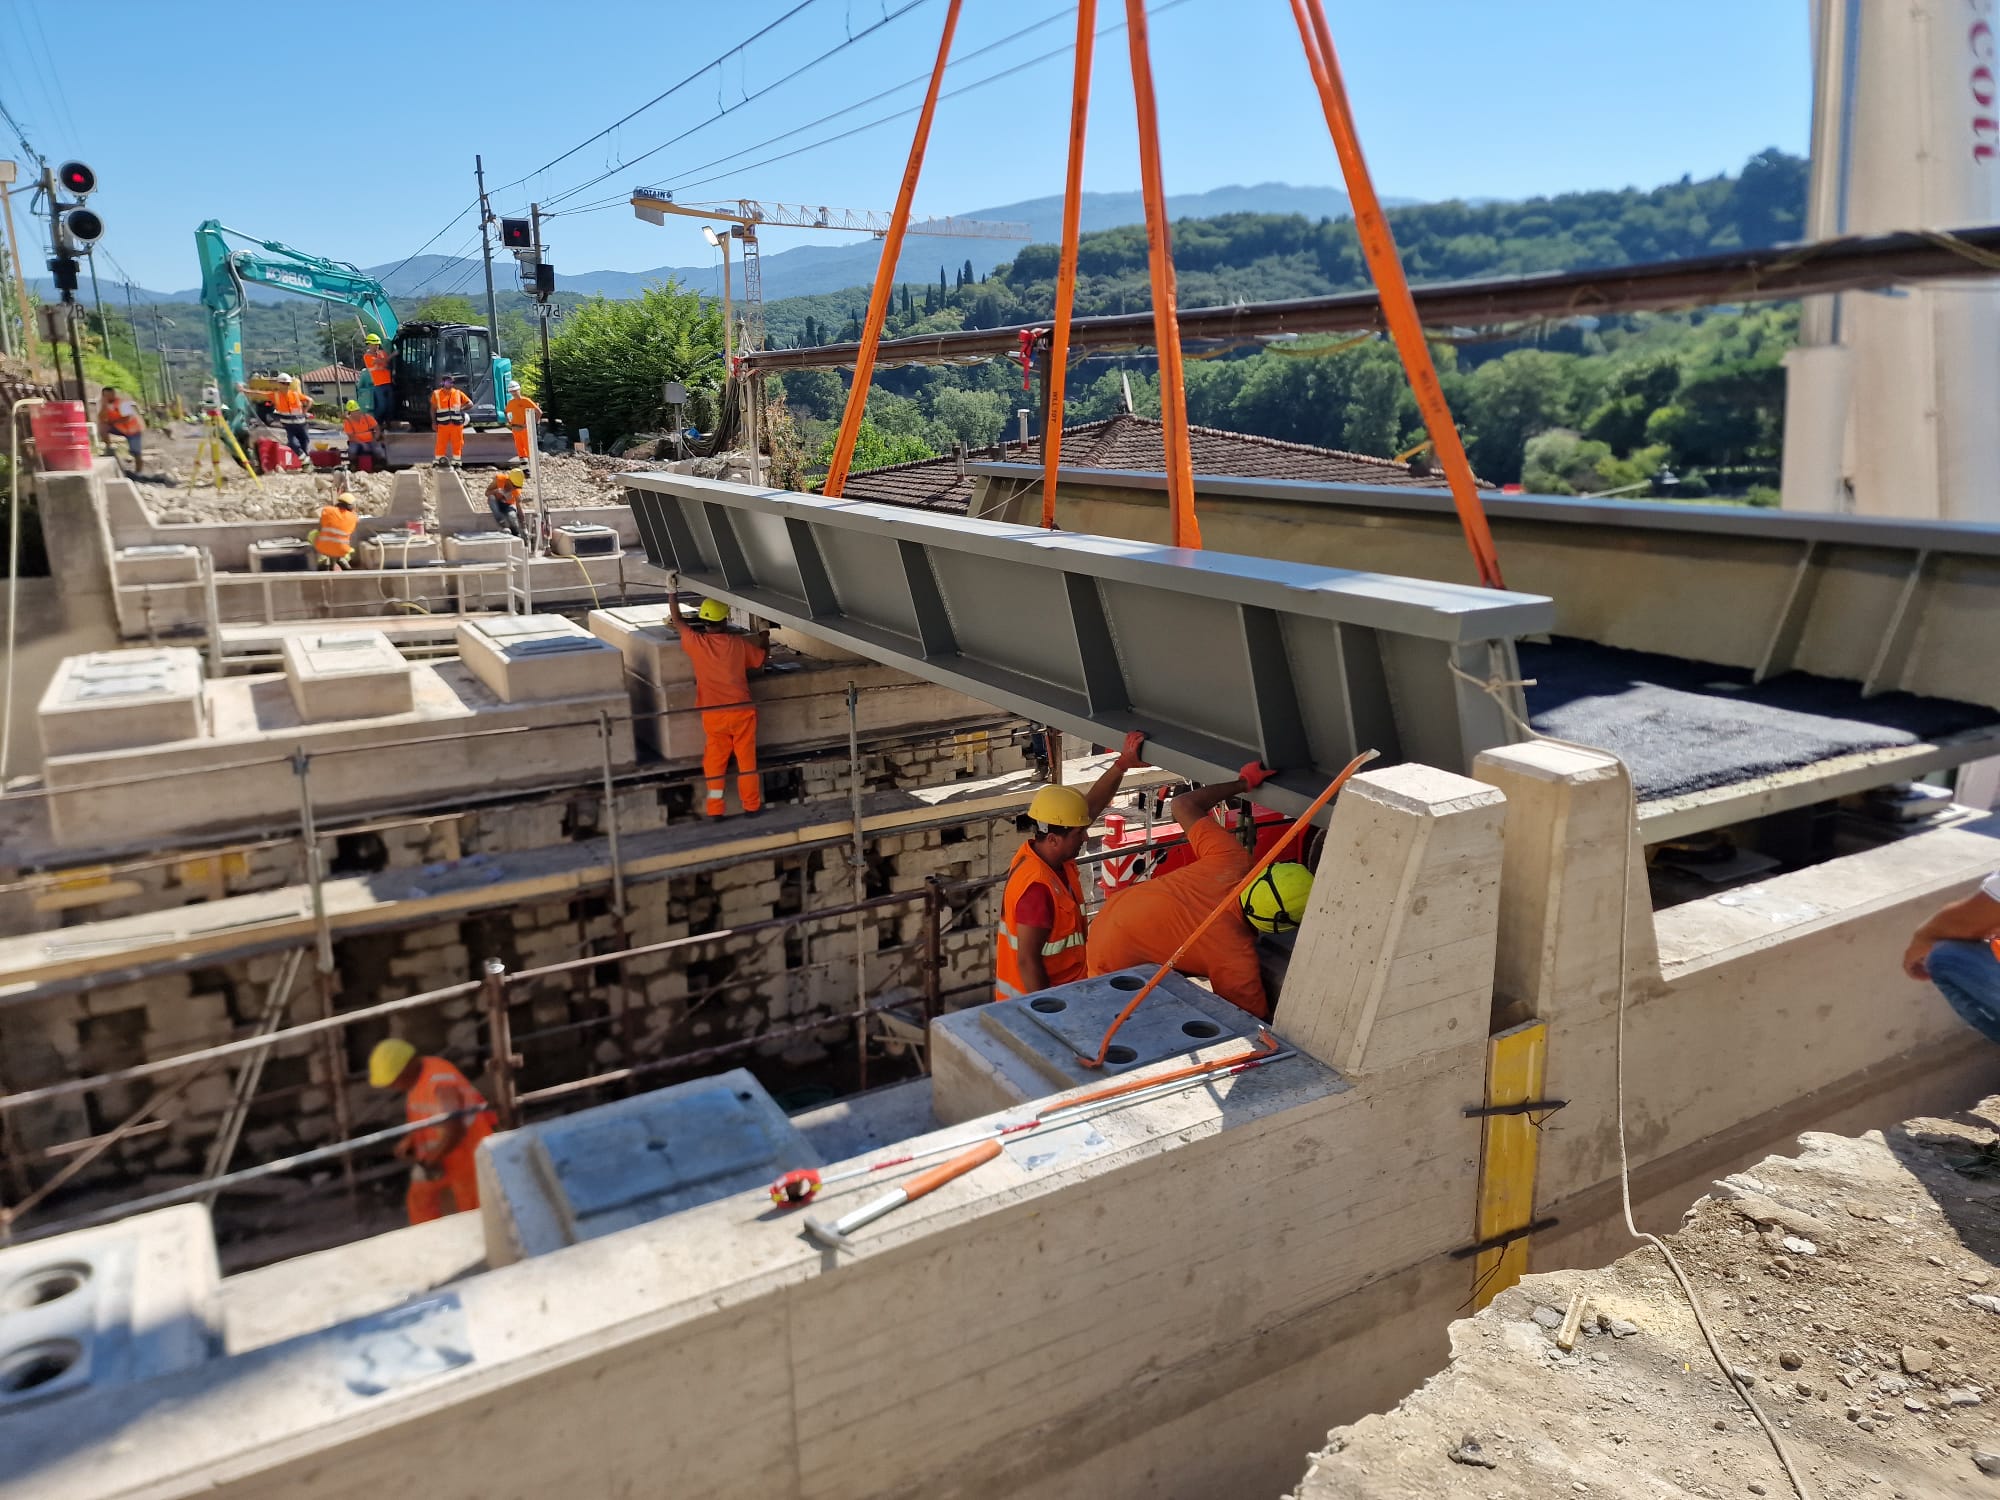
138,355
173,395
97,299
486,255
8,172
542,307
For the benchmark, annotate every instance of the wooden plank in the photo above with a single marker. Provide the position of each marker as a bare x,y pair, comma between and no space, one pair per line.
1508,1148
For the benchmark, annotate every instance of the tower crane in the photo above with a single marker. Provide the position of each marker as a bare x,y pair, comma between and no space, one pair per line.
744,215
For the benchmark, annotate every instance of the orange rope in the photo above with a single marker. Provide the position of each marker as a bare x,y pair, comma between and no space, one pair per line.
1227,903
885,274
1058,355
1160,259
1378,247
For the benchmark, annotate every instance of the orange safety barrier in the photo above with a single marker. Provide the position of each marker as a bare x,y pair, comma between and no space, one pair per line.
1057,371
885,274
1160,260
1399,309
1227,903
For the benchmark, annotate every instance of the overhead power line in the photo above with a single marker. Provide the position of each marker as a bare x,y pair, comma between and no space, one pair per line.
888,18
880,120
662,96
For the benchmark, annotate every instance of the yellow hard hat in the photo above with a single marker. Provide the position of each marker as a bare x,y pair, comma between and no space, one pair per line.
387,1061
354,406
519,476
713,610
1060,807
1276,900
374,338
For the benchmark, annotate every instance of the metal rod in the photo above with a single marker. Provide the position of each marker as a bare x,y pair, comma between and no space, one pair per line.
500,1036
611,822
332,1056
933,958
224,1145
860,868
340,1150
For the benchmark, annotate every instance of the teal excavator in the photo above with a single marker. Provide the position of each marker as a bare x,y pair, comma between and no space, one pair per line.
419,352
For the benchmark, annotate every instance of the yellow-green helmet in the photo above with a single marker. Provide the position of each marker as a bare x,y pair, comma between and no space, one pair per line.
354,406
1276,900
713,610
387,1061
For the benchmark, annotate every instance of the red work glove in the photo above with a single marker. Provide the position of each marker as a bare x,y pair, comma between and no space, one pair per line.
1128,757
1254,773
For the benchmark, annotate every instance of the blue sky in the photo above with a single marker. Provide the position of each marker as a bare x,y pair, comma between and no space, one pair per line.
309,128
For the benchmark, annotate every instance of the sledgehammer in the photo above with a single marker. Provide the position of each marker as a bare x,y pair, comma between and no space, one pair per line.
834,1236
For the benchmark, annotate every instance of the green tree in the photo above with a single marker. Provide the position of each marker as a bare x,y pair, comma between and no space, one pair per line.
875,449
615,356
817,393
973,418
1508,401
446,308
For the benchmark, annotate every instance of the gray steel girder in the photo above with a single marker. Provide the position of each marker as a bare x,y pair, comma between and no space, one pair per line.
1219,659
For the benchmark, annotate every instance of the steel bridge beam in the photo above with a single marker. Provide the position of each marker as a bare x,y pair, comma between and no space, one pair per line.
1219,659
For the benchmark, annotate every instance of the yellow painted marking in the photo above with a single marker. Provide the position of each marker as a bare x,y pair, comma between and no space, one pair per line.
1509,1146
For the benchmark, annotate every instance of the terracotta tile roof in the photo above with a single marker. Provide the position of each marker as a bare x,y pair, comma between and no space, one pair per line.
327,374
1134,443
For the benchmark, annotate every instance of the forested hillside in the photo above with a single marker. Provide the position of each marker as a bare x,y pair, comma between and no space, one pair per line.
1587,406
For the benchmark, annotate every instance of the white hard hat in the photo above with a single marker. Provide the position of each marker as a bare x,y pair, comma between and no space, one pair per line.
513,385
284,380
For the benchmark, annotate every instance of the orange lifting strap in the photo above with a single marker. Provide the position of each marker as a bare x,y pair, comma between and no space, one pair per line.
1058,356
1399,309
1160,256
885,274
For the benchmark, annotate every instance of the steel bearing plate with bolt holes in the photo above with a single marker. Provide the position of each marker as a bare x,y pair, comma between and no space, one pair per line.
1165,1024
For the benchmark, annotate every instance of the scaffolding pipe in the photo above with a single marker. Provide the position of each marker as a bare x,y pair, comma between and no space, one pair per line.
500,1036
859,860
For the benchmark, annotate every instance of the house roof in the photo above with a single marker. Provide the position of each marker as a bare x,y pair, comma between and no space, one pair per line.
1135,443
328,374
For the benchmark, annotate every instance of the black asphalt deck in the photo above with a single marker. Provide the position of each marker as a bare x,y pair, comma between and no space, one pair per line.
1684,726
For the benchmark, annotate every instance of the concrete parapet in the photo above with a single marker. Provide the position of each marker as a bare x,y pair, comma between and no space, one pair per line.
1395,956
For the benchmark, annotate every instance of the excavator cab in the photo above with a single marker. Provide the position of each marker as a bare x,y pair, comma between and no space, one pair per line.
426,351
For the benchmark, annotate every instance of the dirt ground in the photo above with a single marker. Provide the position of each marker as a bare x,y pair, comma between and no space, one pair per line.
568,480
1855,1290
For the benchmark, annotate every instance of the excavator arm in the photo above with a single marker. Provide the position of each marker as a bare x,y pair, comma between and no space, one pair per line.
224,271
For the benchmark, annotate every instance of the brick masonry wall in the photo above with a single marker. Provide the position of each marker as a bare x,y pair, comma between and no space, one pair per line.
566,1026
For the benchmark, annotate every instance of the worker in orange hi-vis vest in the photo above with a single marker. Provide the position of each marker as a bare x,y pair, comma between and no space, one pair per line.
442,1176
381,379
119,413
1147,922
722,660
518,407
333,538
1043,929
450,409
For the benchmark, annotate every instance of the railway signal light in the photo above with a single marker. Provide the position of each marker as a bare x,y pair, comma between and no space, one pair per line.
83,226
76,179
545,280
517,234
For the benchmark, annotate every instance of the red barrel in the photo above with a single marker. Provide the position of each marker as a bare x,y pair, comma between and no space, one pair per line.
62,435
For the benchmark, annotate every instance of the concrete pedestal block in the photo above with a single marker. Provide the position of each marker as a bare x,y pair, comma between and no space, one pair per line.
168,562
996,1057
583,539
480,546
398,549
104,1307
281,555
529,658
406,496
347,674
122,700
602,1170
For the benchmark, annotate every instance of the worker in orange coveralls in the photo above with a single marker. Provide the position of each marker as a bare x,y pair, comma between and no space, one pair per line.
450,409
442,1179
722,660
1144,923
